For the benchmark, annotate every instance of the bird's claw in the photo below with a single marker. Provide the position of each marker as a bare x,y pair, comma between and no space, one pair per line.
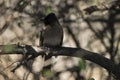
46,49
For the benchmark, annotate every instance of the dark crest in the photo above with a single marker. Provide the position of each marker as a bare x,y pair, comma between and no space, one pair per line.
50,18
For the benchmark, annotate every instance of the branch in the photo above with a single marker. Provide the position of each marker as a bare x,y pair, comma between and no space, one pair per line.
20,49
91,56
66,51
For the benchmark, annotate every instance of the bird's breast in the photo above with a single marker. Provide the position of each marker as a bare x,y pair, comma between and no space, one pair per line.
52,37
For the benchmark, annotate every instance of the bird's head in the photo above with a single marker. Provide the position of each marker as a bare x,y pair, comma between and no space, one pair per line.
50,19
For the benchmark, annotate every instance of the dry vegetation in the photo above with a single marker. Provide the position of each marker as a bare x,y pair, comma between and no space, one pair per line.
91,24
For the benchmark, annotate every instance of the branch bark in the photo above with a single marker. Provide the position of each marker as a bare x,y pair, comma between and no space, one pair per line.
65,51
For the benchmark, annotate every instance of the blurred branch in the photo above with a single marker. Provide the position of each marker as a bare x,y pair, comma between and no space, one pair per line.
5,26
4,75
96,34
111,28
74,37
64,51
21,5
114,5
91,9
99,19
117,46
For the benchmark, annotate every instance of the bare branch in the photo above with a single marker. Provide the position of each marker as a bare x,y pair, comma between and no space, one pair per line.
66,51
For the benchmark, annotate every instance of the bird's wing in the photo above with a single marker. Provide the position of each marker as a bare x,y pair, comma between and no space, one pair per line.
41,38
61,38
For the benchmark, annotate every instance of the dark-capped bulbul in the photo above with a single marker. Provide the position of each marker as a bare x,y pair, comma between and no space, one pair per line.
52,33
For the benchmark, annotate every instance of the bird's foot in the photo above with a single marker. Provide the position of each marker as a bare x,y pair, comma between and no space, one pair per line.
46,49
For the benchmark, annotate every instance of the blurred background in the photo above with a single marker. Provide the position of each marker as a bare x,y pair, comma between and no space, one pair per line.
93,25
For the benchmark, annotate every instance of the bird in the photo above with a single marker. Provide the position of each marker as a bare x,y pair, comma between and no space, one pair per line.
51,34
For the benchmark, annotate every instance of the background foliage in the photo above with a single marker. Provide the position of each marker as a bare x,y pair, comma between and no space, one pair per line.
90,24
